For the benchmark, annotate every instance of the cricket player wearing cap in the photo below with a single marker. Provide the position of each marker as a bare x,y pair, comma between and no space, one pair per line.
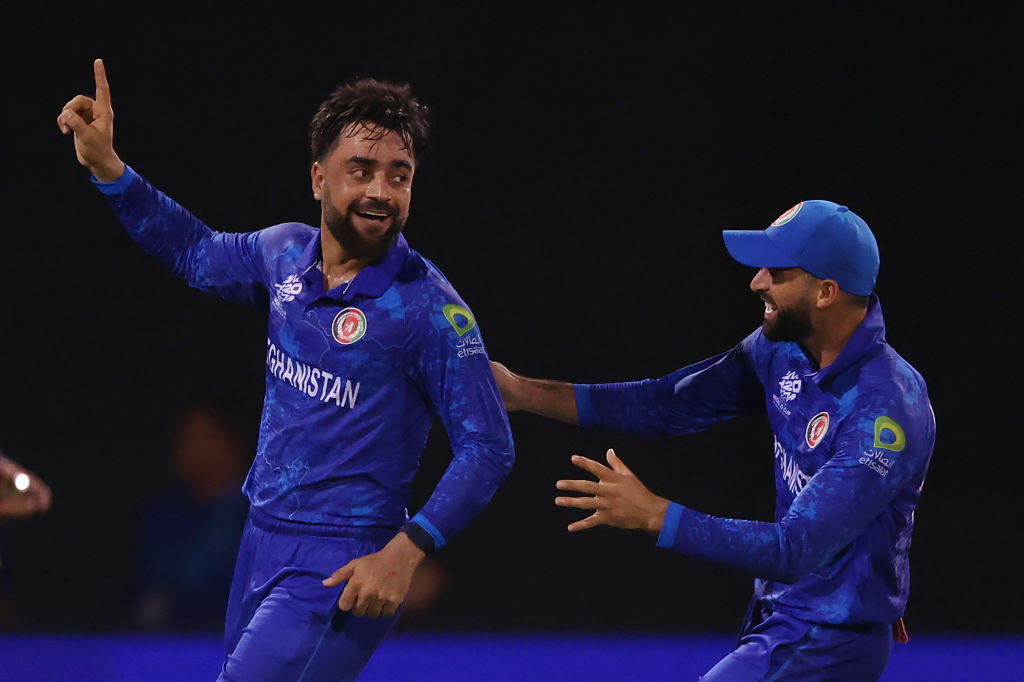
853,436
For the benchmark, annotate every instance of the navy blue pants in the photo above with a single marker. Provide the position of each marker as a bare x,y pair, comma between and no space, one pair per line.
282,624
774,647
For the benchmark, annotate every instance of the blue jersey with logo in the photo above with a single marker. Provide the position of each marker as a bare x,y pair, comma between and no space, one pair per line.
354,375
852,446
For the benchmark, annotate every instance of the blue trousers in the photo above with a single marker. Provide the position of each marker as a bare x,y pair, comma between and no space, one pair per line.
282,624
774,647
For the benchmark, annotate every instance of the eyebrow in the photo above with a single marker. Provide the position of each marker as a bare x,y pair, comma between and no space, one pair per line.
366,161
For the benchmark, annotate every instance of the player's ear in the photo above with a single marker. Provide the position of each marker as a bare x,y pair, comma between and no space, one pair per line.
316,175
828,293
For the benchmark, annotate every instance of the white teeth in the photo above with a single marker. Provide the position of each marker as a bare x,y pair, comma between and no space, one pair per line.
768,307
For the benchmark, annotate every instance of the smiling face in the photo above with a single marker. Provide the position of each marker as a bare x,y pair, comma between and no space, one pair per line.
789,296
364,184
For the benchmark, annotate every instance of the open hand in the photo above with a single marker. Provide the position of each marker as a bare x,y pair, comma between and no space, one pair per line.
92,120
617,497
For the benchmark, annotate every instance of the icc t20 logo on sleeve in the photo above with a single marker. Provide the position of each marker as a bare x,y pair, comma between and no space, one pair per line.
349,326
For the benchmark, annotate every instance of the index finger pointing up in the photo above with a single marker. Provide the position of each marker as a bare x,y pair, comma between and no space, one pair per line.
102,87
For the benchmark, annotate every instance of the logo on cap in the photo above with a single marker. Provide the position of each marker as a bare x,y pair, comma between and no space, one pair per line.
816,429
349,326
788,215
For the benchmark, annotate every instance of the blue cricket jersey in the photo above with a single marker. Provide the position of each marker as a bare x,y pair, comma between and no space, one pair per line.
852,446
354,375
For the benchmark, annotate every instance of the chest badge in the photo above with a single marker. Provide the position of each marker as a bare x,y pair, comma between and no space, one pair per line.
349,326
816,429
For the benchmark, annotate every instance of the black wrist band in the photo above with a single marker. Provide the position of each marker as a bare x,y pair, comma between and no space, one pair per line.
419,537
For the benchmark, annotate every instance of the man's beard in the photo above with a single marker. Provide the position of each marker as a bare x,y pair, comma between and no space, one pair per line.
358,245
788,325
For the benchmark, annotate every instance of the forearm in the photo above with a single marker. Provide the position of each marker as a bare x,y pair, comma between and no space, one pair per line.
835,507
758,548
466,487
551,399
109,169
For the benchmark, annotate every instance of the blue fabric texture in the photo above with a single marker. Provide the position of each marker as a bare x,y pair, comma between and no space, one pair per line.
852,444
354,376
282,623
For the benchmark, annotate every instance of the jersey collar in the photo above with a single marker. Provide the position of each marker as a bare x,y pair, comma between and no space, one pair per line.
867,337
372,281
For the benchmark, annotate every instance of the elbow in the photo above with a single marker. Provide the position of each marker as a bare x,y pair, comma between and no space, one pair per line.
498,458
796,556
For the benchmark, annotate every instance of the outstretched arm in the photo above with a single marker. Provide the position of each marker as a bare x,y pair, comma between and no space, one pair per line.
852,489
552,399
92,121
688,400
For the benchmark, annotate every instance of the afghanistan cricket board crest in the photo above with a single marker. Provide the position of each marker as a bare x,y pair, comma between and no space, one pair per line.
788,215
349,326
816,429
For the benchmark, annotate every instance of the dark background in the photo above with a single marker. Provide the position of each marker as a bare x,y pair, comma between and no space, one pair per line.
584,163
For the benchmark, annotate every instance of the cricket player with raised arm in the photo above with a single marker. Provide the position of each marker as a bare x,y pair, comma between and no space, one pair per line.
853,436
367,342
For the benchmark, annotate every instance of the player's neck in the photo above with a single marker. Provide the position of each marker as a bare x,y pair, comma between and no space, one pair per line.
337,264
830,335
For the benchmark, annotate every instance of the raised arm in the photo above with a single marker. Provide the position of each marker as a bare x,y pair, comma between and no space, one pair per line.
92,121
229,265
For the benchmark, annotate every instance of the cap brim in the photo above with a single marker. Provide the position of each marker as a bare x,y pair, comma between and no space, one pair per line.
756,249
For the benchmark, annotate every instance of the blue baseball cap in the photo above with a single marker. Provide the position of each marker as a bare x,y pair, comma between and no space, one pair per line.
825,239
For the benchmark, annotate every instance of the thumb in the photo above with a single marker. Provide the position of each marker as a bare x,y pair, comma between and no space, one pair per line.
341,575
616,464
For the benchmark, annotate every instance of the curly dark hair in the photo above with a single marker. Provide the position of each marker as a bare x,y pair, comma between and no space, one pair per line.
386,107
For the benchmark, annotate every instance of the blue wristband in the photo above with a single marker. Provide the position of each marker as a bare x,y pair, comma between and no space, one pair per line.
419,537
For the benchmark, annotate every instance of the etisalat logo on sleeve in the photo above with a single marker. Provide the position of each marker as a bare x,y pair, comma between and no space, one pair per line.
789,389
889,438
462,321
